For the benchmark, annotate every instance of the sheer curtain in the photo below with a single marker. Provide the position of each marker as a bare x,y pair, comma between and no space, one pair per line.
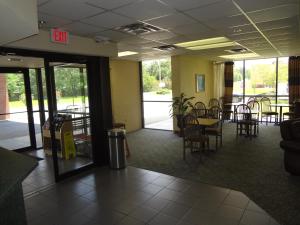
219,85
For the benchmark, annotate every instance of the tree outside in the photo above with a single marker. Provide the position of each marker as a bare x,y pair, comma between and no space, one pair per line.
157,78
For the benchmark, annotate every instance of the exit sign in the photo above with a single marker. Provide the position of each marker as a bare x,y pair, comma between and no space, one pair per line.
59,36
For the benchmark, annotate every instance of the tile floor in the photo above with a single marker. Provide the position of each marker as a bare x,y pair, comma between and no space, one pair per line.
134,197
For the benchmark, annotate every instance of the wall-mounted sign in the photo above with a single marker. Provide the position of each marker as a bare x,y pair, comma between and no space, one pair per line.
59,36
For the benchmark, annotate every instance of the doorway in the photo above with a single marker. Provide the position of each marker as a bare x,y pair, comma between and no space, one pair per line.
19,111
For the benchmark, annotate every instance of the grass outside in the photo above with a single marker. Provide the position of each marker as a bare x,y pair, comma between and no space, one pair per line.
62,100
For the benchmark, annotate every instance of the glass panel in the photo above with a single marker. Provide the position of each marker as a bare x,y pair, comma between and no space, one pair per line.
72,121
157,115
14,132
238,78
260,77
283,67
37,127
157,83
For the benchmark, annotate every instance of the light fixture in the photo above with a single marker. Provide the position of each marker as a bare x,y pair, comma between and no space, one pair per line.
239,56
126,53
207,41
217,45
15,60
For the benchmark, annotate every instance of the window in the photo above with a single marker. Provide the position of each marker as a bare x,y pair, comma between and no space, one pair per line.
260,78
157,94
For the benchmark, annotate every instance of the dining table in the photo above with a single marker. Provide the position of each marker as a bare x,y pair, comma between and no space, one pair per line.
280,106
206,122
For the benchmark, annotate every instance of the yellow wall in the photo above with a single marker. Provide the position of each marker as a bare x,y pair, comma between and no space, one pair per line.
125,92
184,69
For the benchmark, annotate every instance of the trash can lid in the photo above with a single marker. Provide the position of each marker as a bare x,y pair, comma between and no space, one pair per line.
116,132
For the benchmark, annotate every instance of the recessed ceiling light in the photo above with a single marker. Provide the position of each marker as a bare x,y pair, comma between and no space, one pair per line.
126,53
239,56
203,42
217,45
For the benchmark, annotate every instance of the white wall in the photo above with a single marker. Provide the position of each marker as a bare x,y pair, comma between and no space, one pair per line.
76,45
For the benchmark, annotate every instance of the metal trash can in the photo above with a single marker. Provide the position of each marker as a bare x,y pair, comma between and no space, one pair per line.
117,148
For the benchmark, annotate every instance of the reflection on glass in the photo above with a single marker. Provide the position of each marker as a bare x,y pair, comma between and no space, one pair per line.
14,132
157,115
72,121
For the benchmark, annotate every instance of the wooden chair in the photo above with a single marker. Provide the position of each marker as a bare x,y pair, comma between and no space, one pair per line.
244,121
192,135
215,112
123,126
266,110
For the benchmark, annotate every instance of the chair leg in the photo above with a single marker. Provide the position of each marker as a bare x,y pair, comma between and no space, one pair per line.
216,142
183,150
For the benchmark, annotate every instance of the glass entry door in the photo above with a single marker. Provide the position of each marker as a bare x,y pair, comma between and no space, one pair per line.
70,133
17,127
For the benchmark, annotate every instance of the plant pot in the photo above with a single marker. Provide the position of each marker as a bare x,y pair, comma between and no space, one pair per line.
179,118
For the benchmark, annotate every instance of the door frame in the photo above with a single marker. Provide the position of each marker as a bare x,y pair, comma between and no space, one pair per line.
30,118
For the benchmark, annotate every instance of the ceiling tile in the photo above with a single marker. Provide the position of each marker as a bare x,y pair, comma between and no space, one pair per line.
247,36
171,21
278,23
113,35
110,4
276,13
82,29
228,22
146,9
158,36
176,39
214,11
195,28
69,9
52,21
108,20
40,2
134,40
281,31
188,4
254,5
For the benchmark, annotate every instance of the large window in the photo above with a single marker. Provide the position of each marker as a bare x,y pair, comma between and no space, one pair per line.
261,77
157,94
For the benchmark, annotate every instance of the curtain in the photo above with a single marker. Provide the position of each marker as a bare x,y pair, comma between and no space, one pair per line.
219,80
294,78
228,80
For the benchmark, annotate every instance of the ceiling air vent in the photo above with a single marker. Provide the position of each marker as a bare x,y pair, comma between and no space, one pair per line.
237,50
166,47
138,28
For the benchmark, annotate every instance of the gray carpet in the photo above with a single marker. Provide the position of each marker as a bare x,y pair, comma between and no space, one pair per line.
254,167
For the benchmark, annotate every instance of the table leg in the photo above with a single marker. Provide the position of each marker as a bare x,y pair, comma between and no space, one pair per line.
280,116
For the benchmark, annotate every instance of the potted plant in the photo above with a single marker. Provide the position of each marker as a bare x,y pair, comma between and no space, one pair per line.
180,107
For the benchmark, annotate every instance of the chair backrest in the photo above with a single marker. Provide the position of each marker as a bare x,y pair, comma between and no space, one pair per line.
213,102
265,104
199,109
255,107
214,112
243,112
190,125
250,99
